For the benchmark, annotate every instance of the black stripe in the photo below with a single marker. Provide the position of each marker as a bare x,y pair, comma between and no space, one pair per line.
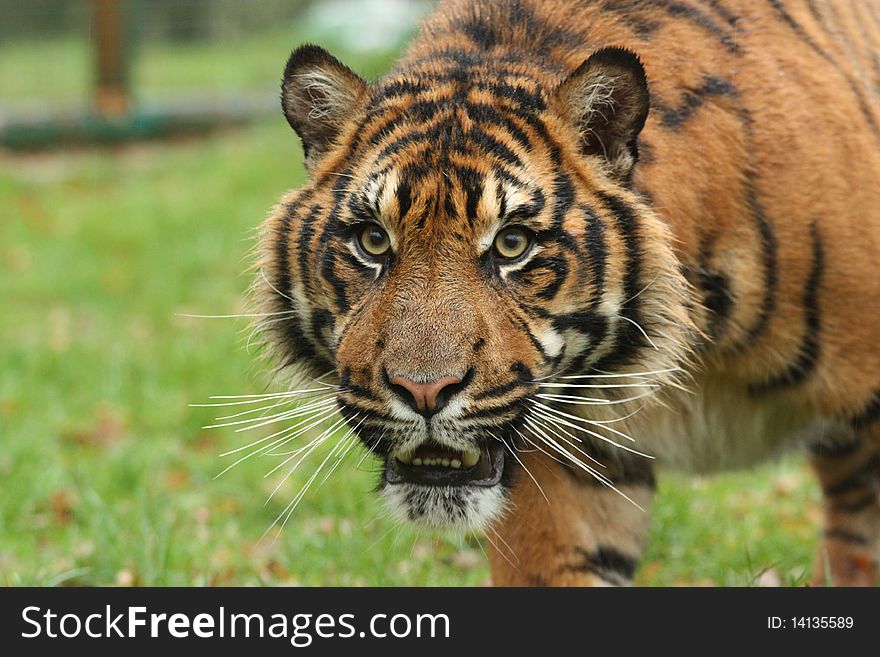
725,14
306,231
643,27
808,353
328,271
846,536
397,88
349,410
563,191
863,475
769,265
471,182
588,322
357,267
597,250
867,43
352,388
495,412
555,264
495,147
490,25
404,198
675,117
835,450
488,115
857,505
869,415
715,287
630,9
605,562
498,391
290,331
628,339
524,326
801,33
817,16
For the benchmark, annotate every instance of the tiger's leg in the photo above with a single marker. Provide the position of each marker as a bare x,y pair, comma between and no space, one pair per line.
583,534
849,473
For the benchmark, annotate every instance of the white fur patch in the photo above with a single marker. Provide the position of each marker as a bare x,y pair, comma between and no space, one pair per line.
716,427
459,508
552,342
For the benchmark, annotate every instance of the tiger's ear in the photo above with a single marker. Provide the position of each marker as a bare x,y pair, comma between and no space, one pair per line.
318,95
606,98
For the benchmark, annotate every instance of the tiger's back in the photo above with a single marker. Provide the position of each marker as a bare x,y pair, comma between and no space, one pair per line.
730,232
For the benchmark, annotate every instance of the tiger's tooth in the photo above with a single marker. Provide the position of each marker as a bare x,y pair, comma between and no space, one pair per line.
445,463
417,461
469,458
455,463
405,458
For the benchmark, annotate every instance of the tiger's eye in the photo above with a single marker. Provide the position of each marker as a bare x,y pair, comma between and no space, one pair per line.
511,243
374,240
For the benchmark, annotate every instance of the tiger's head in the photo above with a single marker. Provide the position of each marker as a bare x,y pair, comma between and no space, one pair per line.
467,236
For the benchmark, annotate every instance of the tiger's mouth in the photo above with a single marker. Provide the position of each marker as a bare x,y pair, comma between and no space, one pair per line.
432,464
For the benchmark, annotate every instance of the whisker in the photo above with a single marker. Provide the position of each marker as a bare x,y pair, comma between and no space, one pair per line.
321,438
255,400
232,316
617,419
279,292
255,410
602,479
500,551
600,386
641,330
287,393
501,538
559,420
513,453
277,417
296,412
642,291
352,441
554,428
281,439
560,449
282,402
539,448
291,507
591,401
619,375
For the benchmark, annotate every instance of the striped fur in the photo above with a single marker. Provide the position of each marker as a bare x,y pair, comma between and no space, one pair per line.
725,241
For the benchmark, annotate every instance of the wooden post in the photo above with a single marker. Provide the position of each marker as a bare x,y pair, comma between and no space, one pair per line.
111,60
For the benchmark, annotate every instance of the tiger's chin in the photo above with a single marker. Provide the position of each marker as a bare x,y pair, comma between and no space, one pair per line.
438,488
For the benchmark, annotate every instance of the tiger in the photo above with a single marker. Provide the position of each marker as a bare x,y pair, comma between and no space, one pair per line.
564,244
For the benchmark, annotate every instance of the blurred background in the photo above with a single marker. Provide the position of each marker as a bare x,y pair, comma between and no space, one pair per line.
141,144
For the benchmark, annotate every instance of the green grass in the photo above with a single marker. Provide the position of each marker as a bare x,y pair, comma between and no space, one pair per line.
105,474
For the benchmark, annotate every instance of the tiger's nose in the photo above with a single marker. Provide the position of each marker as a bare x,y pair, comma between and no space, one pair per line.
430,397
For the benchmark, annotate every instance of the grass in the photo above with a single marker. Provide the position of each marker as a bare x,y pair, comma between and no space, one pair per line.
105,474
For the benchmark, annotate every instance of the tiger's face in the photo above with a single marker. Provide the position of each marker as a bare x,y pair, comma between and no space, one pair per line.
463,240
